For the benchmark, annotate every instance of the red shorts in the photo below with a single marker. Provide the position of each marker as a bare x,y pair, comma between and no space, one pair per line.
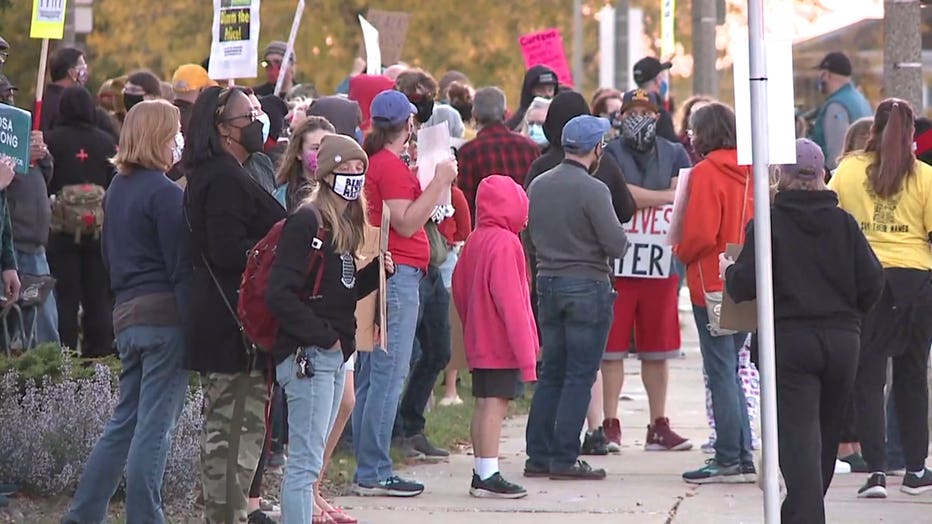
648,308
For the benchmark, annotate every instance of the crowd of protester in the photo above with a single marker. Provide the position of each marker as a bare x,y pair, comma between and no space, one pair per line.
235,232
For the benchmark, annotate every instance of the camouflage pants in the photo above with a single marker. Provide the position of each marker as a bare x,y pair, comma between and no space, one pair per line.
234,430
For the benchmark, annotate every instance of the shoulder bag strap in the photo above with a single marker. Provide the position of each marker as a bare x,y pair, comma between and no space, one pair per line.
741,225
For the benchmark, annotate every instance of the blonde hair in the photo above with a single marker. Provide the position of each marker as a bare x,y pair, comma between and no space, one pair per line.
150,126
859,132
347,229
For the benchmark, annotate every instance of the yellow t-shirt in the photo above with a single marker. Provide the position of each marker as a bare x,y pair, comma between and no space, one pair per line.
897,228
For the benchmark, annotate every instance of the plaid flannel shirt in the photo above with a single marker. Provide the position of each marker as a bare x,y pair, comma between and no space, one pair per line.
496,150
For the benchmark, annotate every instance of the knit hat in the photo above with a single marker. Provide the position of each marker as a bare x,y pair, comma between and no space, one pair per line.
278,48
336,149
344,114
810,162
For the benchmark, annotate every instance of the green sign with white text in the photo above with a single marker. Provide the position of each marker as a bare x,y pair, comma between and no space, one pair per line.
15,128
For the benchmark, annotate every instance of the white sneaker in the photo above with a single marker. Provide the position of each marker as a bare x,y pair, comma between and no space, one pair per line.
842,467
451,401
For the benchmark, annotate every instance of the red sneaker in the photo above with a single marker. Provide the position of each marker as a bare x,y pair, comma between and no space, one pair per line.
661,438
612,428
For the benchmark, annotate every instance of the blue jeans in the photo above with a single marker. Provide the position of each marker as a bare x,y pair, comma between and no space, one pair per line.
729,407
433,342
313,404
138,436
380,379
46,314
575,318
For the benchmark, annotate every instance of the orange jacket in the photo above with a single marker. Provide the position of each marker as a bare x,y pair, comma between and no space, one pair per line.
721,202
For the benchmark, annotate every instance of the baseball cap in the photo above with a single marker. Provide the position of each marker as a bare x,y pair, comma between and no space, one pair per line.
647,69
390,108
836,62
810,162
582,133
6,85
189,78
640,98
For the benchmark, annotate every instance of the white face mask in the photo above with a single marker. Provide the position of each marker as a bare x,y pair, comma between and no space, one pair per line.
348,186
177,148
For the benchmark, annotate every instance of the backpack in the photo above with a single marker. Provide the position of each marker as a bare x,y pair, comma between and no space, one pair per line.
439,249
259,324
78,209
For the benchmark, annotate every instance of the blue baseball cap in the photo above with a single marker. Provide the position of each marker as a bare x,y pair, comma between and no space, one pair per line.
583,133
390,108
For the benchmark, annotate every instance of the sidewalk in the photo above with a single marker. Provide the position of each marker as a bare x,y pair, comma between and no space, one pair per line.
641,487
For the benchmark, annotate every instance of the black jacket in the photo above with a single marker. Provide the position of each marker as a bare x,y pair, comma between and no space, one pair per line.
330,315
228,214
531,78
82,154
51,99
30,210
825,274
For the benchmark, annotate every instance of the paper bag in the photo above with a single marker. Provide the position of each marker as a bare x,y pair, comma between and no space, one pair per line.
739,317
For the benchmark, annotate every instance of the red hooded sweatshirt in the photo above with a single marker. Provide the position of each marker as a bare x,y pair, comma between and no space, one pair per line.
363,88
490,284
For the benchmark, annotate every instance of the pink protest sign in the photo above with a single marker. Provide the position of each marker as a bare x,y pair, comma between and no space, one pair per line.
546,48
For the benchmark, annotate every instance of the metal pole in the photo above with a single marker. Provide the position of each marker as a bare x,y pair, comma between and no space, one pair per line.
705,75
760,155
902,51
621,45
578,74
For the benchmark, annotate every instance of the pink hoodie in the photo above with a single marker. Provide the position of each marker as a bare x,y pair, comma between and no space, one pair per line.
490,283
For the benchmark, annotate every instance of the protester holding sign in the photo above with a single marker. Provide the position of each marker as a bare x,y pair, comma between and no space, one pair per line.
720,205
648,285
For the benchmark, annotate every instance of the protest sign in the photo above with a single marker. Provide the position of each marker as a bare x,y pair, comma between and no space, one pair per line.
433,147
648,254
546,48
383,278
370,38
393,32
680,201
15,128
234,49
48,19
738,317
289,50
667,28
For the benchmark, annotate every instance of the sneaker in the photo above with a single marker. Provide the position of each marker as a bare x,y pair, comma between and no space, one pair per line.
842,467
749,472
259,517
594,443
495,487
857,462
393,486
579,471
708,447
715,473
915,485
532,470
612,429
451,401
874,488
420,444
661,438
406,447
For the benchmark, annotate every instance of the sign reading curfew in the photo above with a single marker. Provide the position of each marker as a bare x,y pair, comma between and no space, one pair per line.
234,49
15,128
648,254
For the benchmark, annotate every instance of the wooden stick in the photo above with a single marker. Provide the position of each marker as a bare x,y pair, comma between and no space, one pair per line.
40,85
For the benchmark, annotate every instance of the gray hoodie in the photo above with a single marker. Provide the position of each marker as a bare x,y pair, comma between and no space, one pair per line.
30,210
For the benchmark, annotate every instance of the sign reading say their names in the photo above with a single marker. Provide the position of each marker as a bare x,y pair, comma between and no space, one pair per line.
234,49
15,128
649,255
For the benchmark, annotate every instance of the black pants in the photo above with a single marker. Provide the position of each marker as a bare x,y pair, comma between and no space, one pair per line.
815,372
82,280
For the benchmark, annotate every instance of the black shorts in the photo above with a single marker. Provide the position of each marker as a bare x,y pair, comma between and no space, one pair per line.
495,383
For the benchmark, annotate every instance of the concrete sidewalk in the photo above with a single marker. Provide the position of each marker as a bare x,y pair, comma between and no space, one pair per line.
641,487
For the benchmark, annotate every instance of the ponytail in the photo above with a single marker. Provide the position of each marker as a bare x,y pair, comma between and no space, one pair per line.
891,142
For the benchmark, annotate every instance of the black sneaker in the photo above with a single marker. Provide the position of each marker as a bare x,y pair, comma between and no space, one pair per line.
874,488
595,443
258,517
495,487
857,462
915,485
579,471
393,486
715,473
406,448
420,444
532,470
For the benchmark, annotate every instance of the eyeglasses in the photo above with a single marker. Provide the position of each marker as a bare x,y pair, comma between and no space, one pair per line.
252,116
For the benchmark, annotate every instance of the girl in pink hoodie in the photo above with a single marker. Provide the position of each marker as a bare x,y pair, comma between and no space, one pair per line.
490,290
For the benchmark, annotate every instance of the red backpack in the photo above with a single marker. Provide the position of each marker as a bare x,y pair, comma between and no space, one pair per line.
259,324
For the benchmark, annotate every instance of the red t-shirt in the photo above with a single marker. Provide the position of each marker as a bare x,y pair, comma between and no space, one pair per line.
389,178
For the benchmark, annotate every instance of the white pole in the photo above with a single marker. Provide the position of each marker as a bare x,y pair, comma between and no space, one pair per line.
289,50
760,154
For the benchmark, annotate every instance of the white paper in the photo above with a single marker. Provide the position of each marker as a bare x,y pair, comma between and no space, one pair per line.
781,109
370,36
234,49
607,46
433,147
680,201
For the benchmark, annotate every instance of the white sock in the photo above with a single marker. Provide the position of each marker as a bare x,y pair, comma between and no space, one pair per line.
919,473
486,467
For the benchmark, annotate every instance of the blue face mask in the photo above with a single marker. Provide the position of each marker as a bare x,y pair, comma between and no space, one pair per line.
664,87
266,126
536,133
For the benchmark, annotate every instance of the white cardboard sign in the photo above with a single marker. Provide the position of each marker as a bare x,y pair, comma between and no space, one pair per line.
234,49
648,255
781,108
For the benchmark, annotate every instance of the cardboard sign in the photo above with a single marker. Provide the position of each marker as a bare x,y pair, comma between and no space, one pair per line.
15,128
392,29
546,48
234,49
383,278
738,317
48,19
649,255
370,38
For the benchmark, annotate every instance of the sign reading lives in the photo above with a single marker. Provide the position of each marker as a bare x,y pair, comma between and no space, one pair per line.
15,127
649,255
235,46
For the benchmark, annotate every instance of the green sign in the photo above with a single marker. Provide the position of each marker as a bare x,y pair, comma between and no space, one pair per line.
15,129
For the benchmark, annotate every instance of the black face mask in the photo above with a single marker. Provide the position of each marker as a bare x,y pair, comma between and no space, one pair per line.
594,166
250,137
425,109
130,100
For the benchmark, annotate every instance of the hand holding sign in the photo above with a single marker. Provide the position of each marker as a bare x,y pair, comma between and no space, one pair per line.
6,172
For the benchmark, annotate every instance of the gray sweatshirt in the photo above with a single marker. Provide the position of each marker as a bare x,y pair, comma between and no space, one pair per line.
573,227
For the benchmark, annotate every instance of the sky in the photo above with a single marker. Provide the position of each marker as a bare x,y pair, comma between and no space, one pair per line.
799,19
